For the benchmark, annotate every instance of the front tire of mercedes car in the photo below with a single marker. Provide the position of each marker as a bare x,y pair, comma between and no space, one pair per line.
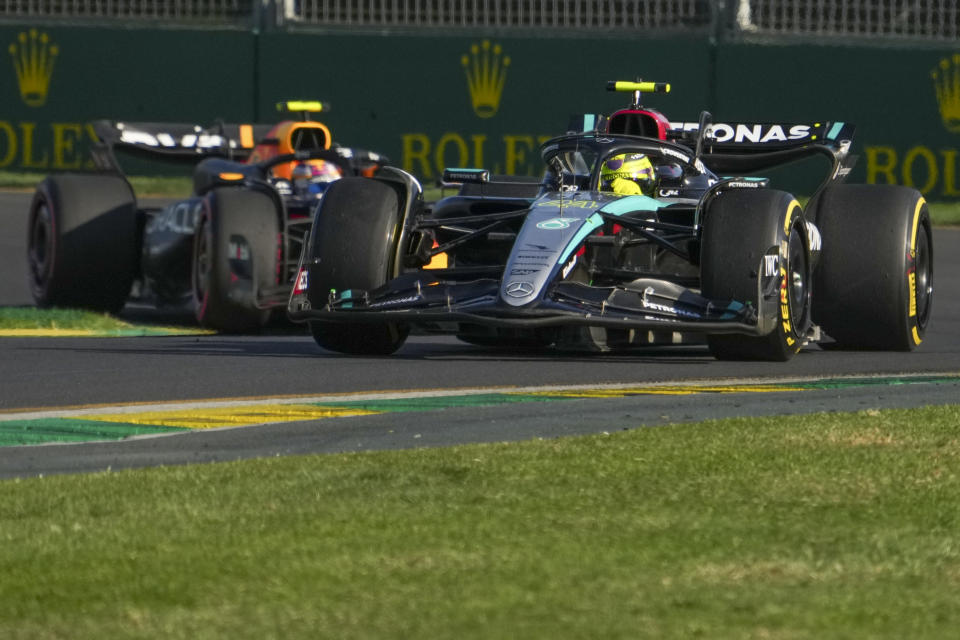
234,256
82,242
873,288
352,246
740,228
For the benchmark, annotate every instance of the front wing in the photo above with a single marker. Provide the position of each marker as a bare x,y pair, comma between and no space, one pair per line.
645,304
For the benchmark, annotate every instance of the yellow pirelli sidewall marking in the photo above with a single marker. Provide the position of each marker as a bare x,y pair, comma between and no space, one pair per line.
912,275
794,205
912,283
784,301
916,223
785,307
237,416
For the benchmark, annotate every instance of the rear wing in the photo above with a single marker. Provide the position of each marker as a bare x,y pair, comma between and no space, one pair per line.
746,137
744,147
175,141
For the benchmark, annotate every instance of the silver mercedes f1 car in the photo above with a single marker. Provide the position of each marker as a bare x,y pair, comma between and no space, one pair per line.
640,231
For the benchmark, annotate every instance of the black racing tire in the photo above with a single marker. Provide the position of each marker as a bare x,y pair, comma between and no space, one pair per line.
739,227
352,246
235,255
873,286
82,242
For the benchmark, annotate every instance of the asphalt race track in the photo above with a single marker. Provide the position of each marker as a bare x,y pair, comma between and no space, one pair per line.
43,374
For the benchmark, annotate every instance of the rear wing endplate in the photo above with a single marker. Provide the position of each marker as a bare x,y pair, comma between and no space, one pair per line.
175,140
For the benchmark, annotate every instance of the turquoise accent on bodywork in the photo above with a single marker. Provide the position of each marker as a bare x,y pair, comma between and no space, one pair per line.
835,130
619,207
630,204
732,311
586,229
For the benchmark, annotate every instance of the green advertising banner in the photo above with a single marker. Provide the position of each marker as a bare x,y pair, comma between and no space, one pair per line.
430,102
465,98
57,78
904,101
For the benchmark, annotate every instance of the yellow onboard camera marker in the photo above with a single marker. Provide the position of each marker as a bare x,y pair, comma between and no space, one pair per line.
645,87
302,105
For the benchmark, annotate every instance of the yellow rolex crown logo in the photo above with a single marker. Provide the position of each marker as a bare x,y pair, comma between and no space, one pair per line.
486,69
33,57
946,83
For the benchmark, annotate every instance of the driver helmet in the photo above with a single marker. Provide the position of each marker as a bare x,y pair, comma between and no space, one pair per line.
628,174
313,176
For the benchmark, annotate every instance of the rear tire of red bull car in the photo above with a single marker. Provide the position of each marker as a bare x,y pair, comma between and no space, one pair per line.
234,255
82,242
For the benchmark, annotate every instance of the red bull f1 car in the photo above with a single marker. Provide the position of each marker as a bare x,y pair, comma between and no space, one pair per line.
702,247
230,249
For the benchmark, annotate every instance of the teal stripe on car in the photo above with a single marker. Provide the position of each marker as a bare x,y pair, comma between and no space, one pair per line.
630,204
586,229
619,207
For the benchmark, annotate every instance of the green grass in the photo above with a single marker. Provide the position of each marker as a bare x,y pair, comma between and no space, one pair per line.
33,318
171,186
946,214
17,180
827,526
176,187
14,320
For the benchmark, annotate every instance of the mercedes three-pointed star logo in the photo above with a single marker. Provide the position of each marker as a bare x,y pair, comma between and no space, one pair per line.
518,289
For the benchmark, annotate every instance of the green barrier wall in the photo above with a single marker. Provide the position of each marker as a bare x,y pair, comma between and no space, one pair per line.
904,101
463,98
56,78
